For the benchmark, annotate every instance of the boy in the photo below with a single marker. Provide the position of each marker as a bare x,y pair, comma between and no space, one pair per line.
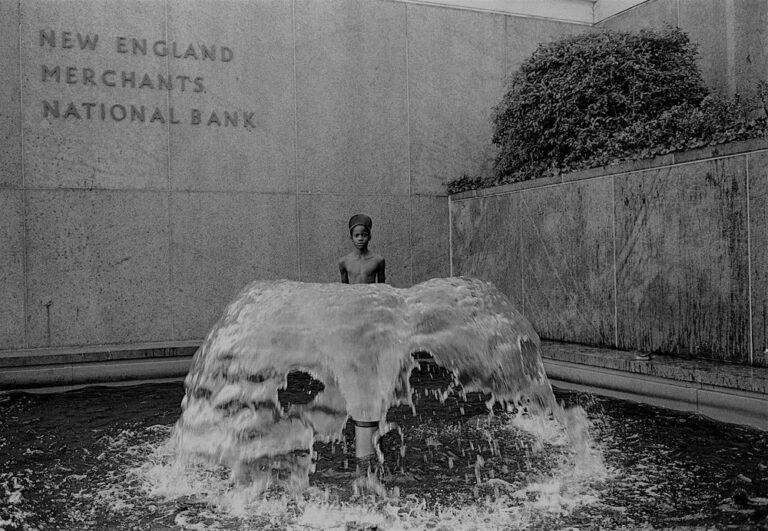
361,266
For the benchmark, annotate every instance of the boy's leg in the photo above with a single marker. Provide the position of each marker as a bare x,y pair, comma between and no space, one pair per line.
365,453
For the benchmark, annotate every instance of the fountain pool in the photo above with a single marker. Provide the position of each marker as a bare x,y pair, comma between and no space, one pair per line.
472,434
98,459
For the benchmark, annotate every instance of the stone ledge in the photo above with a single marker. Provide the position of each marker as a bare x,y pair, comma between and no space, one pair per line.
730,149
65,375
69,355
699,372
719,403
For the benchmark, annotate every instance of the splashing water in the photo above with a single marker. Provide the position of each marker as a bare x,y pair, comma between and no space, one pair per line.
358,341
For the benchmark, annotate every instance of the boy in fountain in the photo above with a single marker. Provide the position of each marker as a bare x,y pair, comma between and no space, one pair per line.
361,266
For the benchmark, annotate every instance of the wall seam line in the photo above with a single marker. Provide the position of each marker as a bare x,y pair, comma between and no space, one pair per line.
169,195
450,237
749,267
408,148
24,198
615,276
522,254
730,47
296,142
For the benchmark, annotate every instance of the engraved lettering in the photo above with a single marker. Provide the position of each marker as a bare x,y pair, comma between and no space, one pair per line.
230,119
195,115
226,54
87,41
139,45
247,117
88,74
172,118
108,82
48,37
122,45
128,78
88,107
118,112
213,119
164,82
208,53
146,81
190,52
55,73
183,79
160,48
198,81
66,39
50,108
157,116
137,114
72,75
71,111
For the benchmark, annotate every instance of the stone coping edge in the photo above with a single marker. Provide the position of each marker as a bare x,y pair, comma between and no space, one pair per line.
686,371
97,353
70,375
740,147
724,405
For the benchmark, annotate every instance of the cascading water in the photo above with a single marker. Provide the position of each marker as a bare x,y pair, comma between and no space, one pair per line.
358,340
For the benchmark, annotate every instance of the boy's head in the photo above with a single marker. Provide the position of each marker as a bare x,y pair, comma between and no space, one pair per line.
360,219
360,230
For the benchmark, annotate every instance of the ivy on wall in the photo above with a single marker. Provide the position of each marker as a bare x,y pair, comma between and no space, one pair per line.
597,99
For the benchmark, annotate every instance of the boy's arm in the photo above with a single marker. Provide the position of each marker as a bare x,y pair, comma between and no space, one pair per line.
343,272
380,275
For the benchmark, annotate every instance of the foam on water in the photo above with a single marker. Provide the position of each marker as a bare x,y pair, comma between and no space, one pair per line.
358,340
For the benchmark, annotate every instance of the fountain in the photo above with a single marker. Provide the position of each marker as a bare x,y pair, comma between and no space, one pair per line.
357,340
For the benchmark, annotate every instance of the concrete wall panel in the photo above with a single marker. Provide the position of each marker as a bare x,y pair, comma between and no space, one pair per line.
324,234
236,127
487,243
524,35
97,267
430,246
10,106
653,14
351,103
758,228
221,242
750,44
568,281
11,269
456,62
72,70
681,260
706,23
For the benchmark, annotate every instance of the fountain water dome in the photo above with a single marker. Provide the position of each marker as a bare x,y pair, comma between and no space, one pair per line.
358,340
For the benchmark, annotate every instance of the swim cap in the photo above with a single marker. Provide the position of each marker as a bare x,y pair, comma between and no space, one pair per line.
360,219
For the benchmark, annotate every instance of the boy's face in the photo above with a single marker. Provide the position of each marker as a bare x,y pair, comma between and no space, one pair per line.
360,237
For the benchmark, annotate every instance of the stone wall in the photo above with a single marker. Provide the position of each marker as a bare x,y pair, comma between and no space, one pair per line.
730,36
159,154
667,255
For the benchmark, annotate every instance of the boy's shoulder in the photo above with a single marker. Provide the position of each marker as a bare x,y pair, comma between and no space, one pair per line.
346,257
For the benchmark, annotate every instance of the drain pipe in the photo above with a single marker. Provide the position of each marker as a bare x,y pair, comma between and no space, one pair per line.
364,451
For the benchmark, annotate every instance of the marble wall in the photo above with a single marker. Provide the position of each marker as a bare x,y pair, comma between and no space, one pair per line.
159,154
669,259
729,36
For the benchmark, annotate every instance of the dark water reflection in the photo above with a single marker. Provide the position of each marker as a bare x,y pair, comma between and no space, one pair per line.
64,459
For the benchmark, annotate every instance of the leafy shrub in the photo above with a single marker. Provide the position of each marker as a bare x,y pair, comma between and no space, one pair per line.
599,98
